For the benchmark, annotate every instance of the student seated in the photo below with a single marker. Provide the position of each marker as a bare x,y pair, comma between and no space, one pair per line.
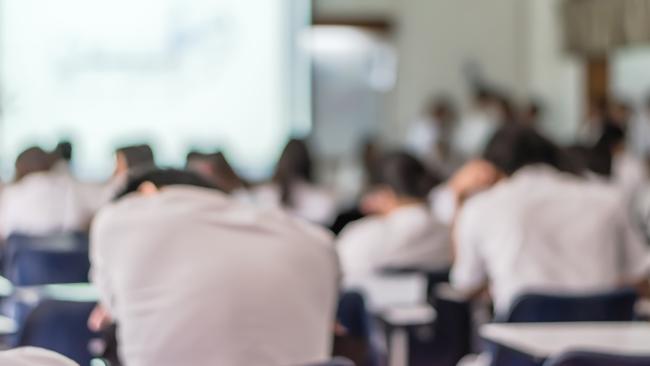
193,277
543,228
31,356
294,189
41,200
402,232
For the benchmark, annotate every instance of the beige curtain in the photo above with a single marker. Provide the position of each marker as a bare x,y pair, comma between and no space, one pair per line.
596,27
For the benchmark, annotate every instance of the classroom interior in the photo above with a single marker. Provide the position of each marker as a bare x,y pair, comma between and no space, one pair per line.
325,183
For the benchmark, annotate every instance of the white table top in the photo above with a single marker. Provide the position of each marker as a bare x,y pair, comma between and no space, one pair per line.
5,287
7,326
82,292
403,316
382,292
544,340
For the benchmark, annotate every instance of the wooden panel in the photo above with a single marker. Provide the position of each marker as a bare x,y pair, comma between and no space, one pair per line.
597,79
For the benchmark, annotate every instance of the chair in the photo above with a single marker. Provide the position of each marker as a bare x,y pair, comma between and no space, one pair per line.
32,261
338,361
611,306
356,345
70,241
579,358
60,326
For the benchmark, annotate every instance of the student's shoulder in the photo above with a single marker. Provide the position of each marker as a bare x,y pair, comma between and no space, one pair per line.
362,227
284,223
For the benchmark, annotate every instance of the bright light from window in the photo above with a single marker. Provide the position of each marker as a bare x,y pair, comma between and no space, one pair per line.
177,74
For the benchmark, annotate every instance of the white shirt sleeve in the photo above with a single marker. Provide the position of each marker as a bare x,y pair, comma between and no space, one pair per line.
468,272
99,274
31,356
444,204
635,256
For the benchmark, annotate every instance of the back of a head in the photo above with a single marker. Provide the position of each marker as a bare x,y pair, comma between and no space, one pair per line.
294,165
613,136
138,156
64,150
405,175
514,147
32,160
163,178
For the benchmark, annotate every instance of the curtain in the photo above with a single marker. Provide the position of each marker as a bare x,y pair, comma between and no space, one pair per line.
596,27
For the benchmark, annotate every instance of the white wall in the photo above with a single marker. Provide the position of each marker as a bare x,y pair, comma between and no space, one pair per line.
437,39
553,76
516,42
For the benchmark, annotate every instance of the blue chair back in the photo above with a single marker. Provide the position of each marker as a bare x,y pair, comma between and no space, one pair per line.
596,359
616,305
611,306
60,326
338,361
34,261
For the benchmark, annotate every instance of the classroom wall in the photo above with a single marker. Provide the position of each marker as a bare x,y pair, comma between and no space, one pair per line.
515,43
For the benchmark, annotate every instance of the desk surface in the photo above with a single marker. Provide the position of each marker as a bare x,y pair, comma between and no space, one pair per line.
83,292
383,292
545,340
7,326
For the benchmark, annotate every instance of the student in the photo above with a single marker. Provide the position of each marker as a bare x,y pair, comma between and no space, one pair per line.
132,159
543,228
639,131
429,138
31,356
293,187
611,159
473,131
402,233
193,277
216,168
42,201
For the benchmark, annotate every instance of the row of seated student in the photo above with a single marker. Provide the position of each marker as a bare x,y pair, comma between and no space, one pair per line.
246,276
193,276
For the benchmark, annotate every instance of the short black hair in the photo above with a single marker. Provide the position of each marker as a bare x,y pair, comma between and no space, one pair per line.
515,146
64,150
162,178
404,174
138,156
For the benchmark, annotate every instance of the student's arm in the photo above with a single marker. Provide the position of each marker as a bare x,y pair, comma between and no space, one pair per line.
99,274
635,255
468,273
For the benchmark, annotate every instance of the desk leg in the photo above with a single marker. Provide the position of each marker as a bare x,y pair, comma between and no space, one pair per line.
398,347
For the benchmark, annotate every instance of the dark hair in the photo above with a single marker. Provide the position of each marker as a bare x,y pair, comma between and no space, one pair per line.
32,160
64,150
295,164
138,156
405,175
601,156
221,172
514,146
162,178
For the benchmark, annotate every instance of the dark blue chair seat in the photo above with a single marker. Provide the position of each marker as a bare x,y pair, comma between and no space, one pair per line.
60,326
597,359
613,306
61,258
338,361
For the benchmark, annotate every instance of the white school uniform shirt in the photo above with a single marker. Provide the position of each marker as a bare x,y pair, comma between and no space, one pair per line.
193,277
409,237
629,173
542,230
31,356
44,203
310,202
